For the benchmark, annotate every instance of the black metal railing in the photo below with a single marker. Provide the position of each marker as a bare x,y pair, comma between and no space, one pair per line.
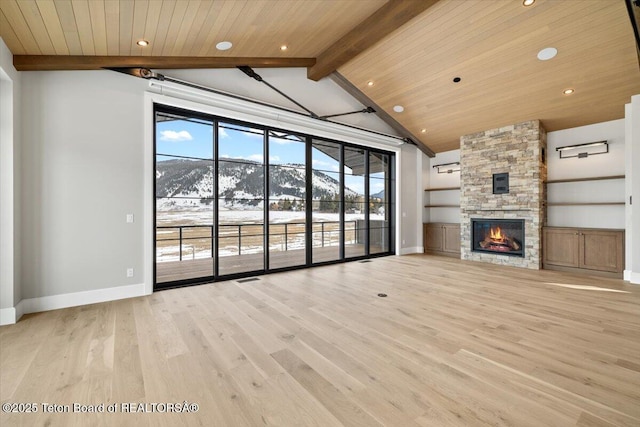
193,233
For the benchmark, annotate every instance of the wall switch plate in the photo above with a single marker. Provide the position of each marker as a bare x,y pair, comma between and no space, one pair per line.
129,218
404,214
129,272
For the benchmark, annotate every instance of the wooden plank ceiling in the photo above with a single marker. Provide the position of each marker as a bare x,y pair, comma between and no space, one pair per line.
492,47
490,44
178,27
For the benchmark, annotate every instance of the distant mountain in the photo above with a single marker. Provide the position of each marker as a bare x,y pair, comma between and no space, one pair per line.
190,183
378,195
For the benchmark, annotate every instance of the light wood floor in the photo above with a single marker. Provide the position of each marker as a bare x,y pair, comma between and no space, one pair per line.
455,343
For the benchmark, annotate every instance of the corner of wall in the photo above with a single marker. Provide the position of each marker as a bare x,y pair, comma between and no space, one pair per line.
10,187
632,189
410,215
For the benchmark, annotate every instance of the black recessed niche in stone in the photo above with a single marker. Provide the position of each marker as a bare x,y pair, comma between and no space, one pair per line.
501,183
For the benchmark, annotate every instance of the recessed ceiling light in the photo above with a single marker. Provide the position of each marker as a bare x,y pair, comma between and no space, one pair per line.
370,83
547,53
528,2
568,91
423,130
284,47
398,108
224,45
457,79
142,43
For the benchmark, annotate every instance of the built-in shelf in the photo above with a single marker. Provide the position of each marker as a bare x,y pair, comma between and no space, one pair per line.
593,178
497,210
587,204
442,206
442,189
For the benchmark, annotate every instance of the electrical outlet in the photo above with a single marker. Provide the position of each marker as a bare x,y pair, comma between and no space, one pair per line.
129,218
404,241
129,272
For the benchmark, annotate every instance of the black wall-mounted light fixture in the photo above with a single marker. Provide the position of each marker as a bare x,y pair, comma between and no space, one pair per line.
448,167
583,154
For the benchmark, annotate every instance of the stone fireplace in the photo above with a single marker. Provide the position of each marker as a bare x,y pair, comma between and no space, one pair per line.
502,188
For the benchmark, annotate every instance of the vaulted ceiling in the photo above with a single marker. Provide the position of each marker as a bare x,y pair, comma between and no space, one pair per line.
396,53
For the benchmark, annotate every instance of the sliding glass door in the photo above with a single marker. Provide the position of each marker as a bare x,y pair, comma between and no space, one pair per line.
287,200
235,199
327,194
241,199
185,171
380,204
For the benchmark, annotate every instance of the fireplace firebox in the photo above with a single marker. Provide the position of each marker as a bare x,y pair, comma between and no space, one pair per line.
498,236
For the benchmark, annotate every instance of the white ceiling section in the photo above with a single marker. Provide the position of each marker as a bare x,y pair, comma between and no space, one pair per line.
323,97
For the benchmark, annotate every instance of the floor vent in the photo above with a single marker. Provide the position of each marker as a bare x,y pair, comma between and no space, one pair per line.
250,279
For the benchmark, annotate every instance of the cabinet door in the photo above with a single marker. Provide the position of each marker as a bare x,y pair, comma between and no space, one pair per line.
561,247
433,237
451,236
601,250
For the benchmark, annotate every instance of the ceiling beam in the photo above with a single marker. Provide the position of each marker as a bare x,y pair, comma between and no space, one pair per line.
59,62
381,23
345,84
633,7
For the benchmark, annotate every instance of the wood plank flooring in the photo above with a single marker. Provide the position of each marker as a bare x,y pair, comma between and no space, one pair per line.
455,343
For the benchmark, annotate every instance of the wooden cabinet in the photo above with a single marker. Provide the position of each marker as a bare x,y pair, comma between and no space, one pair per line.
589,249
442,239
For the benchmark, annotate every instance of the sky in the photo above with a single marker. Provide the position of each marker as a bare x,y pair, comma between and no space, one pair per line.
192,139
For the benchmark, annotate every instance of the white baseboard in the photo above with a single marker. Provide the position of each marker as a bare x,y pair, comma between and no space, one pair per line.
7,316
414,250
54,302
631,276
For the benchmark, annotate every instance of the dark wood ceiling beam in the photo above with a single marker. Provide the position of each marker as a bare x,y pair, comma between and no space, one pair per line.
381,23
59,62
345,84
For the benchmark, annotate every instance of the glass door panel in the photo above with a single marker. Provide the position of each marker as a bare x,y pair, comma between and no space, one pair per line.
240,199
379,207
184,198
355,221
287,200
326,210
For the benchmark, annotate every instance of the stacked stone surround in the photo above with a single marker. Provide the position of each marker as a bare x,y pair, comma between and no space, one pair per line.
519,150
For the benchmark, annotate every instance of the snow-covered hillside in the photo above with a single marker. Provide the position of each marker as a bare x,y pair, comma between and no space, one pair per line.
189,184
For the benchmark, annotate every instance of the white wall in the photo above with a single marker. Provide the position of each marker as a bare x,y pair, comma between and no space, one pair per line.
82,173
410,197
433,179
10,213
612,163
632,190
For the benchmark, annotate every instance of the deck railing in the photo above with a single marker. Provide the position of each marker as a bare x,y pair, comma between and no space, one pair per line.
250,232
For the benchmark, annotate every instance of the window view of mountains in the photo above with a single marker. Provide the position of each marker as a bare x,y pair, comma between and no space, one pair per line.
189,183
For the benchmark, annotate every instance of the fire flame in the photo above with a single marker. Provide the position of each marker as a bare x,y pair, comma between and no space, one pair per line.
497,234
